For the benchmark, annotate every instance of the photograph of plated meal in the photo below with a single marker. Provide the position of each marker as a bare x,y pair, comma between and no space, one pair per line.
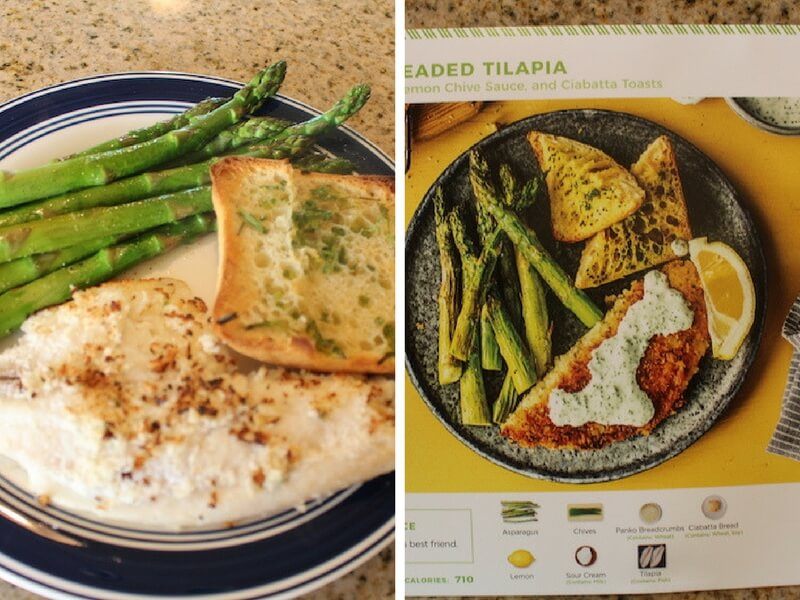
585,292
198,331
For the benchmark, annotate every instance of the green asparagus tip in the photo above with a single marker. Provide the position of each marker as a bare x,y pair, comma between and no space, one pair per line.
279,67
269,78
362,89
357,96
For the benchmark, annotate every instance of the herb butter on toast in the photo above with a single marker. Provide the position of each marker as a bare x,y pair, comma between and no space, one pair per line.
588,189
645,238
307,266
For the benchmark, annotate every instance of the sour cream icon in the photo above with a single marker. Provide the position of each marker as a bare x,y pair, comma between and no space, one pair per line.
585,556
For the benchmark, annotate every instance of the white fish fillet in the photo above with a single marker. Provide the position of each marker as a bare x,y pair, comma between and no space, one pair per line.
122,403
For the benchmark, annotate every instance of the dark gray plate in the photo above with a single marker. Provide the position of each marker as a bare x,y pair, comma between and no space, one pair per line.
715,210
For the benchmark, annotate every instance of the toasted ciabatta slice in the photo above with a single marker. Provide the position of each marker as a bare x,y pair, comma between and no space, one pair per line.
588,189
124,404
307,266
645,238
663,374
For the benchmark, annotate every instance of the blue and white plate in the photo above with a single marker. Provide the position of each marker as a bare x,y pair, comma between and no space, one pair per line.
62,554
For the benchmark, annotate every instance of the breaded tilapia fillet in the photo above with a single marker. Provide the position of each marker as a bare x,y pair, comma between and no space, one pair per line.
664,372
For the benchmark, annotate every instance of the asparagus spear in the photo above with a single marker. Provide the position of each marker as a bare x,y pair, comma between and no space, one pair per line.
490,351
509,289
17,304
133,188
290,142
100,169
321,163
472,393
533,251
515,351
531,290
491,359
449,366
477,272
473,405
23,270
300,137
64,231
254,130
534,311
506,401
67,230
153,131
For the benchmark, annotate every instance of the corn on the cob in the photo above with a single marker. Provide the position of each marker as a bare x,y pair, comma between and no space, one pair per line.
431,120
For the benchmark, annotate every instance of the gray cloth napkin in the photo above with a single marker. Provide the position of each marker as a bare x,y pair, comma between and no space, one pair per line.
786,437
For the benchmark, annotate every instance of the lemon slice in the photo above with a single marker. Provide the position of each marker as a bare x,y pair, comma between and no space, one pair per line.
729,294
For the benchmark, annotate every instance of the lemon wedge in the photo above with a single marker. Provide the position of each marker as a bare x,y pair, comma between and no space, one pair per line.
729,294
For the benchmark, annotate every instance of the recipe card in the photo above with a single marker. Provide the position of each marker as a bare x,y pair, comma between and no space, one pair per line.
601,256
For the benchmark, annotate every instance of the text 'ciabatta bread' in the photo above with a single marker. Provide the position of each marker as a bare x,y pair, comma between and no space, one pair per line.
124,404
588,189
645,238
307,266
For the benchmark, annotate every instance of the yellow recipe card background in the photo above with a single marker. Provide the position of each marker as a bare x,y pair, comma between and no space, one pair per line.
765,168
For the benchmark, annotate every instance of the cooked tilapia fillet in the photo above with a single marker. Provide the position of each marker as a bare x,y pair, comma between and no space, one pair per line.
123,403
664,372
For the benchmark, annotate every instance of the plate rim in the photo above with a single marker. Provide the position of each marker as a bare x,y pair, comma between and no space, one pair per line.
758,325
358,553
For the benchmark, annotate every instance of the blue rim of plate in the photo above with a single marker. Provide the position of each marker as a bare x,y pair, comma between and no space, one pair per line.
281,556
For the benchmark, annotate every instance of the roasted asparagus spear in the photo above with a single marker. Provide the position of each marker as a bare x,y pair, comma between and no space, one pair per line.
105,167
288,143
17,304
528,244
514,350
449,366
491,360
506,401
155,130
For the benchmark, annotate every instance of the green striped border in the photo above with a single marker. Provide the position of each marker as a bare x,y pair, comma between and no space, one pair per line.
599,30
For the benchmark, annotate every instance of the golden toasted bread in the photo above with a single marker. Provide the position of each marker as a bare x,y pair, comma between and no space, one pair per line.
645,238
588,190
307,266
664,372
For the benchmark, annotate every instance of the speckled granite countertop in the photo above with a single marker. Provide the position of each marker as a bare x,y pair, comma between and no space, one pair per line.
455,13
466,13
43,42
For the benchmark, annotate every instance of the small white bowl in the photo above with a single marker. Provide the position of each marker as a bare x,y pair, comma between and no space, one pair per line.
742,112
